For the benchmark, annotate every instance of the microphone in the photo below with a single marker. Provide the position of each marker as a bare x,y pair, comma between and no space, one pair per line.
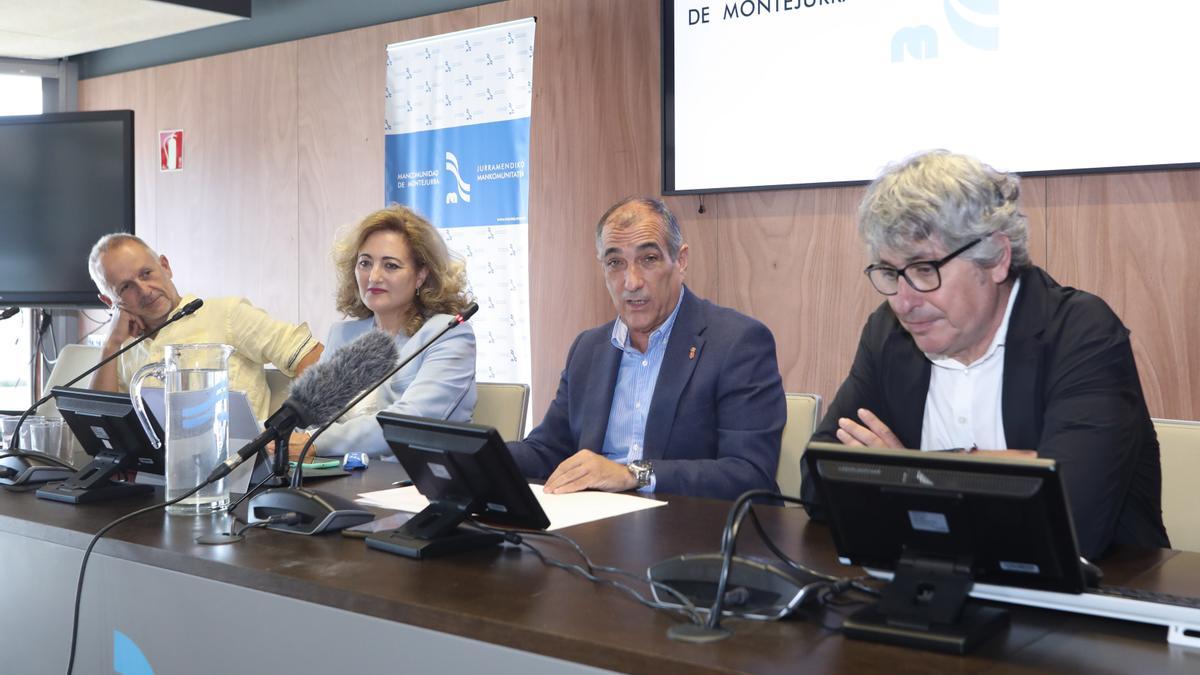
320,512
466,314
186,310
318,395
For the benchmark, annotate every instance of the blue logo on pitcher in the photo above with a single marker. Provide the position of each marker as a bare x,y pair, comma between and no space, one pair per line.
201,414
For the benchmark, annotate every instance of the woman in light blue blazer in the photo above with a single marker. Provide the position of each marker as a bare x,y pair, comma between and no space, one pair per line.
395,274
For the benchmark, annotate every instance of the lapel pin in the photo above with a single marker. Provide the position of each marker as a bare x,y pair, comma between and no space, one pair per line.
691,353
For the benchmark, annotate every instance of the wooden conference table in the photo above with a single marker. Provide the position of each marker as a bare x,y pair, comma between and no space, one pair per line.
283,603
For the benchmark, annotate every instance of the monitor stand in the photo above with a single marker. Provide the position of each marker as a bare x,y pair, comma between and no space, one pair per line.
436,531
93,483
925,606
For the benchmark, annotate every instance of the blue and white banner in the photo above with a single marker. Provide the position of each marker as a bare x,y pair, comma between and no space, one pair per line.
457,151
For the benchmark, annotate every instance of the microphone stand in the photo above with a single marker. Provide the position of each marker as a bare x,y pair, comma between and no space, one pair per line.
298,473
14,450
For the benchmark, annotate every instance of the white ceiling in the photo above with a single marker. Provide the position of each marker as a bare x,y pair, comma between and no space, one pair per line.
53,29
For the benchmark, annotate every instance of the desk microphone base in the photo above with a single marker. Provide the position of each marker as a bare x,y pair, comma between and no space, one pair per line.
29,470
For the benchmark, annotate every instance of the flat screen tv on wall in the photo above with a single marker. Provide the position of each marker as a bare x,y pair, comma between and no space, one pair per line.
770,94
65,180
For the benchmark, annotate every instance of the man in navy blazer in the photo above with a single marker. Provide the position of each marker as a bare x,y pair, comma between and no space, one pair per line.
677,395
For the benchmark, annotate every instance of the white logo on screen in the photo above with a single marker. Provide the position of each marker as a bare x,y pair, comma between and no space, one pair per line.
438,470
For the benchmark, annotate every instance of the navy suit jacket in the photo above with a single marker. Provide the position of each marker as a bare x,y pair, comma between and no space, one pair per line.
1070,391
716,417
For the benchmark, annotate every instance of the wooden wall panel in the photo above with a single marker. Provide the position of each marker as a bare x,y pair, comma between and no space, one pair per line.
1033,205
284,144
594,139
228,221
793,260
132,91
1132,238
340,135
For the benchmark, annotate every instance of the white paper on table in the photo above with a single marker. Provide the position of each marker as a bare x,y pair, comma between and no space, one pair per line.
566,510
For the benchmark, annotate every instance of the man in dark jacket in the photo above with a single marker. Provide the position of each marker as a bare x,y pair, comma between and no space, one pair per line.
976,348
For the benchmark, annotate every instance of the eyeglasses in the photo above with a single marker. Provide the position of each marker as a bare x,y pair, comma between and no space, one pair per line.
924,276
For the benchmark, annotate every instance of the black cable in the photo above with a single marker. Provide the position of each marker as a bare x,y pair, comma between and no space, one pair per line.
289,518
783,557
591,576
855,582
53,343
88,552
591,566
742,506
686,607
249,493
728,548
36,349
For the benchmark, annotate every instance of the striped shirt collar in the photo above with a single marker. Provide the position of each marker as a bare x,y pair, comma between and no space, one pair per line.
620,331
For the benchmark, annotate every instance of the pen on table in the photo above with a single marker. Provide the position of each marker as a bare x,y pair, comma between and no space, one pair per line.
402,483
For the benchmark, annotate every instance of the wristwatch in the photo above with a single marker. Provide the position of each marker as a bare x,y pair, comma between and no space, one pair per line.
643,472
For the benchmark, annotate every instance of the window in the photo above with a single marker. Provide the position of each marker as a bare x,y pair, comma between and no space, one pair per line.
19,95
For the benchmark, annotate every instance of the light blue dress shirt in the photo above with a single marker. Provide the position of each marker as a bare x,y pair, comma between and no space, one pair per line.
636,378
440,383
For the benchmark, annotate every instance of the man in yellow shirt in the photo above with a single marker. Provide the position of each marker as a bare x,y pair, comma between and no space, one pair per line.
137,283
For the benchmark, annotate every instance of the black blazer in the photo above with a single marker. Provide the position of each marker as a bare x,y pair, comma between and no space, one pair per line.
1070,391
716,417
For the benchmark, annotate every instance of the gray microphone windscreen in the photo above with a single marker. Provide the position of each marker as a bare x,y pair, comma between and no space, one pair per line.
322,390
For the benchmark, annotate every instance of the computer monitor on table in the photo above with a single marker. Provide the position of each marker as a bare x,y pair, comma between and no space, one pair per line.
941,522
108,429
465,471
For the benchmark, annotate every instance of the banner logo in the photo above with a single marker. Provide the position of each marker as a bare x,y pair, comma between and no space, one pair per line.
463,189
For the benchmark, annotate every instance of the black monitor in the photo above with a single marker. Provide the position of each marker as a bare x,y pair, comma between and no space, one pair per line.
941,522
108,429
466,471
66,179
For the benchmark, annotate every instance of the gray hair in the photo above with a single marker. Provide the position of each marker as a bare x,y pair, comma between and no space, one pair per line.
656,207
105,244
951,198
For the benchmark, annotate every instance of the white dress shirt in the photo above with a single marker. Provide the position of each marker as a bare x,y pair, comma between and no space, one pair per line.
962,407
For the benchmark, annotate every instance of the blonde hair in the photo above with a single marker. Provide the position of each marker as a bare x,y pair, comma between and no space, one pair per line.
445,288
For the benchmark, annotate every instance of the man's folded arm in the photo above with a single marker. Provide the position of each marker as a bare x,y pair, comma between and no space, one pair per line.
858,390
